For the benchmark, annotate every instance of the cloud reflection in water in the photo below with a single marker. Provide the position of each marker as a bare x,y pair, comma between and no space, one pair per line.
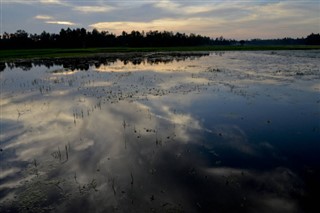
216,133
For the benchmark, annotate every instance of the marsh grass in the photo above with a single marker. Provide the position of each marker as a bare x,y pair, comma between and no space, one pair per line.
58,154
83,52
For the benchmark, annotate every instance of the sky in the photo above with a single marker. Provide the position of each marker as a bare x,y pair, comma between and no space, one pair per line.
245,19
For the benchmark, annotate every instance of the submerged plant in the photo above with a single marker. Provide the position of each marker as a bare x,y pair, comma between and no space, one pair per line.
124,124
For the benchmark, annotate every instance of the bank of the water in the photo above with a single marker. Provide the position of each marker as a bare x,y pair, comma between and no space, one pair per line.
6,55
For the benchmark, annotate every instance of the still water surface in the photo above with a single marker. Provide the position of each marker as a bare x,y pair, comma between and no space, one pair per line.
211,132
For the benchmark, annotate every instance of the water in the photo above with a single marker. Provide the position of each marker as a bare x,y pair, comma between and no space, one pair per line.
209,132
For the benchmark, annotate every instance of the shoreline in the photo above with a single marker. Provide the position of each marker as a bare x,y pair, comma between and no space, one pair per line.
32,54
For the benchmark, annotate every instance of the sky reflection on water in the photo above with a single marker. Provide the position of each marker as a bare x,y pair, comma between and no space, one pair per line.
235,131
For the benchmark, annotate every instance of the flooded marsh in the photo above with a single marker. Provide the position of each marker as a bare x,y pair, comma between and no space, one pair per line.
160,132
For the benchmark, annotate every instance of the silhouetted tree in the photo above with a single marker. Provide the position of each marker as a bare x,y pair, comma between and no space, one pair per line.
81,38
313,39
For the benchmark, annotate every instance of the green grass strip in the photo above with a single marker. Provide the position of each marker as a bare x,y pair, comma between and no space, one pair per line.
81,52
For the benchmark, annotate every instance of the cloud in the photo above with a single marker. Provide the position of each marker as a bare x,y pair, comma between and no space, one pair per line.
169,24
275,196
180,9
93,9
234,138
274,20
51,2
167,4
35,1
272,11
68,23
43,17
51,20
193,9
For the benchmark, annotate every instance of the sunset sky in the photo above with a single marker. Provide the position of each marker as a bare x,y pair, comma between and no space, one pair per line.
230,19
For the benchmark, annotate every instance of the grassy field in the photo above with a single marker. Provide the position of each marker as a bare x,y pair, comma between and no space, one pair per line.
51,53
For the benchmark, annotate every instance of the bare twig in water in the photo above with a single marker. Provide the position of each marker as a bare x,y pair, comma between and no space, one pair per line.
67,154
57,185
131,178
35,163
75,177
59,153
93,185
19,114
124,124
114,190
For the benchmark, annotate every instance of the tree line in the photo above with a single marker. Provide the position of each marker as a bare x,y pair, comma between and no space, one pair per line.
82,38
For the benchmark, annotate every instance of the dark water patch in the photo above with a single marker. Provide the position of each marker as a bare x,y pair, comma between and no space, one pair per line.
2,66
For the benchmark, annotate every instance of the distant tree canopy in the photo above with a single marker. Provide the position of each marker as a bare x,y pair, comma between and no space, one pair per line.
81,38
313,39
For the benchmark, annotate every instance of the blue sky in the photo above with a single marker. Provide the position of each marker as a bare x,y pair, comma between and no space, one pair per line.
231,19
